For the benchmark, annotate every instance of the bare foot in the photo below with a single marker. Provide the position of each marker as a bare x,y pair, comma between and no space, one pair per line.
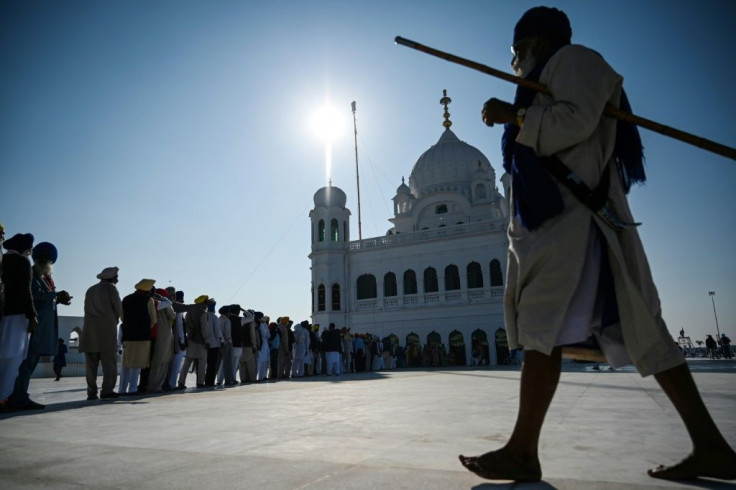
503,465
713,464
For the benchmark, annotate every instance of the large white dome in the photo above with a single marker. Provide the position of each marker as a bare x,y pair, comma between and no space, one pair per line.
449,165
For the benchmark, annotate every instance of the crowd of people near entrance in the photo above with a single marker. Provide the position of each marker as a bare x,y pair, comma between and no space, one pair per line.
162,337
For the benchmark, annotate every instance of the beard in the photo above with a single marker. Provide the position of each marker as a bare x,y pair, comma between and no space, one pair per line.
523,67
44,268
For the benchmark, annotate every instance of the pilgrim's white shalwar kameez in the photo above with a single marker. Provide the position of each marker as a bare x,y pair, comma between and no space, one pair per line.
545,266
301,347
163,350
264,356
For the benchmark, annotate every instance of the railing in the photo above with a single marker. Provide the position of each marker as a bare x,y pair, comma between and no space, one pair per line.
411,300
452,297
431,298
415,300
428,236
367,304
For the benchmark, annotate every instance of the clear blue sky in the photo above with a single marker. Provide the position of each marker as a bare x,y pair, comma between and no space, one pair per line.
172,139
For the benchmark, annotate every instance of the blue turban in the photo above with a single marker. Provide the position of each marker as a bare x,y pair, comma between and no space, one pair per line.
45,250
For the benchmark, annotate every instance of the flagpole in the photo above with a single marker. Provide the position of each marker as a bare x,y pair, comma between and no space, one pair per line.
357,173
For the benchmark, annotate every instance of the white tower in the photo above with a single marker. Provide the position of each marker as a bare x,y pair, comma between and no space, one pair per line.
330,235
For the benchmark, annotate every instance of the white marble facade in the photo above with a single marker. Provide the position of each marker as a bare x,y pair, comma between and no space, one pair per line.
440,267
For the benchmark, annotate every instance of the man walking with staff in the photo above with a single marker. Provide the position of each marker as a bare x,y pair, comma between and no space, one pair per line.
577,271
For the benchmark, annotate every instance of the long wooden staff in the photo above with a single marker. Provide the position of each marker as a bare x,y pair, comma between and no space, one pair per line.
703,143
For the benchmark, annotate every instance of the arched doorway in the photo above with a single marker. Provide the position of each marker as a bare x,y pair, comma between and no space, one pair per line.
502,347
413,350
432,354
398,351
457,349
73,340
480,351
395,339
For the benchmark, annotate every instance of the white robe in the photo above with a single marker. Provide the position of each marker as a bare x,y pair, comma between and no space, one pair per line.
545,266
13,350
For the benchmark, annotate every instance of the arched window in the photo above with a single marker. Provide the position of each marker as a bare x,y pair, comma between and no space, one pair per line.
430,280
496,276
334,227
321,231
457,349
410,282
480,191
367,286
321,298
475,275
74,339
335,297
389,285
452,278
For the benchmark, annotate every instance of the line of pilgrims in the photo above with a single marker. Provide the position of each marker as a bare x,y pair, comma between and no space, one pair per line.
162,338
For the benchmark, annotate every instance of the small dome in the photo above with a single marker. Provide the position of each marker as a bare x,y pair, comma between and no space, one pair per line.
403,188
330,196
449,161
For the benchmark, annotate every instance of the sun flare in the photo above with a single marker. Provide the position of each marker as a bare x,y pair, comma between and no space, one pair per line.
328,123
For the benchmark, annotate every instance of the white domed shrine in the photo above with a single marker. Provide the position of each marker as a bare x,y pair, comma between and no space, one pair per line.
436,278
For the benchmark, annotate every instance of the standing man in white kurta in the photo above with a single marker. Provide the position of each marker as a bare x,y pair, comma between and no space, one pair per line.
264,354
571,275
98,340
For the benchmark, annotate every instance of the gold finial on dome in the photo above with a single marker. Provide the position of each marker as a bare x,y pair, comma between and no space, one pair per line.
445,101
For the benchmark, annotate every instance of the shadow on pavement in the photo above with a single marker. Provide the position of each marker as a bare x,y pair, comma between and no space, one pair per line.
540,485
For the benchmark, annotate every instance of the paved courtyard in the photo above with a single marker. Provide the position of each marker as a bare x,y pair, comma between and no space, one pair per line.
387,430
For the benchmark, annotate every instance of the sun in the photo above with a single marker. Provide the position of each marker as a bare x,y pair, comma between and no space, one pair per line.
328,123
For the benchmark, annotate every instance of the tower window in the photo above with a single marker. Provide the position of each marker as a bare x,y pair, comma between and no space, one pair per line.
336,297
321,298
334,227
321,230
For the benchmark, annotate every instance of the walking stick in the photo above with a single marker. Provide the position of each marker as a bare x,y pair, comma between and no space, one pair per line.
611,111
